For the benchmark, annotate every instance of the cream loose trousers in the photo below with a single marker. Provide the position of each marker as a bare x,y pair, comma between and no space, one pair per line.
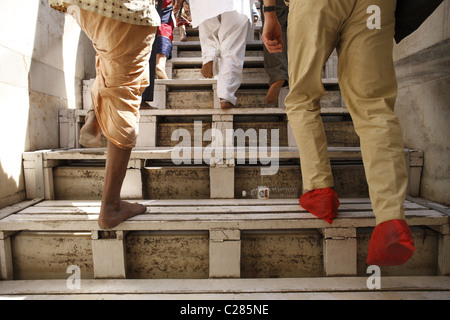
362,32
123,51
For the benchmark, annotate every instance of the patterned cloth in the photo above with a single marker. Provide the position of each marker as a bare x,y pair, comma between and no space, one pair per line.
137,12
182,12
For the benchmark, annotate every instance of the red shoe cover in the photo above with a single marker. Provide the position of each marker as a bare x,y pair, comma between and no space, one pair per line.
323,203
391,244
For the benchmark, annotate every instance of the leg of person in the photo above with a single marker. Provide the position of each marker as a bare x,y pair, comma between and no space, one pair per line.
90,133
113,210
313,28
208,33
123,52
183,34
369,86
232,37
164,39
275,64
161,66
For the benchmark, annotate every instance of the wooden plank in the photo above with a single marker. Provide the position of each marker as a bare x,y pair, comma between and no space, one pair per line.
223,286
340,251
224,254
444,254
109,258
198,61
188,72
6,259
233,111
215,209
376,295
190,202
166,153
18,207
270,221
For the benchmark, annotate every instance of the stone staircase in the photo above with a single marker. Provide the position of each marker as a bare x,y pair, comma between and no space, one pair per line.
223,219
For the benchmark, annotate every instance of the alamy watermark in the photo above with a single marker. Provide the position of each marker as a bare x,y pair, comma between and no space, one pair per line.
226,145
374,280
374,21
74,280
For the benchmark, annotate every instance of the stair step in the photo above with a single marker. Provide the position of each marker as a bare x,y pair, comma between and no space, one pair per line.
215,238
196,61
165,153
196,182
188,93
79,173
189,49
157,126
206,215
342,288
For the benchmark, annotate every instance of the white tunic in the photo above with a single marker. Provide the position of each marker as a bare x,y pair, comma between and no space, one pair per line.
202,10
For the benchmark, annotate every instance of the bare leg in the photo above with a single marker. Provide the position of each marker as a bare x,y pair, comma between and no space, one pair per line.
113,211
90,133
274,92
161,66
183,34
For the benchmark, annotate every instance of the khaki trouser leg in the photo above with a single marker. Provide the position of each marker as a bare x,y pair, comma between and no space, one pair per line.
369,86
310,44
368,83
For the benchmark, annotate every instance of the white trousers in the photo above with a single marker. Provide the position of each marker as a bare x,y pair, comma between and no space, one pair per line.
223,40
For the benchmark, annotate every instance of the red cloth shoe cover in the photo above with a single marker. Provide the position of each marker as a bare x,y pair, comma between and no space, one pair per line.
391,244
323,203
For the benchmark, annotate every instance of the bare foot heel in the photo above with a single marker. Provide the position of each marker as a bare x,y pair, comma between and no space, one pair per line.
274,92
225,104
111,217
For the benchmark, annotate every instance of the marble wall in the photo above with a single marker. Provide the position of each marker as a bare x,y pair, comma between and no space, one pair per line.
423,103
42,58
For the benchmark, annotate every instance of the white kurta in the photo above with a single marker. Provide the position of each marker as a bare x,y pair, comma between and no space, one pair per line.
202,10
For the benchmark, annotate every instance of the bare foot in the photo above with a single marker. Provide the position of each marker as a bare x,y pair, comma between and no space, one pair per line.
90,133
111,215
207,69
225,104
160,69
274,92
161,73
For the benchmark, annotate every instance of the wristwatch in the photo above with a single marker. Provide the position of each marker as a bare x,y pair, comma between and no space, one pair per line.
269,8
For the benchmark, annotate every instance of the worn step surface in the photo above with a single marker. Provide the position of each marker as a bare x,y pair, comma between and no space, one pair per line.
247,238
79,173
242,214
354,288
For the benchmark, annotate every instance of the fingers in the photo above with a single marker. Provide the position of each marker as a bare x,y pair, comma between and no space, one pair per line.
272,35
273,46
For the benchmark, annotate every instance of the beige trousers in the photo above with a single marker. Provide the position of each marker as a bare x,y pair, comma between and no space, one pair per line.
123,51
362,32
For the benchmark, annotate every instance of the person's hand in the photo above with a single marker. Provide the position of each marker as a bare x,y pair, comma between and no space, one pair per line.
271,35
